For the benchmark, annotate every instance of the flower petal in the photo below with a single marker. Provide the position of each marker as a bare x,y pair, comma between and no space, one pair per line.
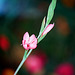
48,28
33,46
25,47
32,38
22,42
26,36
35,41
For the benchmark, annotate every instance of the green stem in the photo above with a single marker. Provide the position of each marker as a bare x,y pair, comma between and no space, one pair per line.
23,60
25,54
29,53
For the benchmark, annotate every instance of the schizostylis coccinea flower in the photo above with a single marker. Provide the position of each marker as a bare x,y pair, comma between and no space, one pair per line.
29,42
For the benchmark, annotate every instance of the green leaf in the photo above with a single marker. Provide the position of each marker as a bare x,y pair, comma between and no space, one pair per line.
51,11
42,26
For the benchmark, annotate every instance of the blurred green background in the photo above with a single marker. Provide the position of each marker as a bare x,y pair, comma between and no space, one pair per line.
20,16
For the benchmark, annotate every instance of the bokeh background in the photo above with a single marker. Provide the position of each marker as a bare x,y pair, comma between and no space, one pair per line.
55,54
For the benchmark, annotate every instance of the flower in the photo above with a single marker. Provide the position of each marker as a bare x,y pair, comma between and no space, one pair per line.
48,28
29,42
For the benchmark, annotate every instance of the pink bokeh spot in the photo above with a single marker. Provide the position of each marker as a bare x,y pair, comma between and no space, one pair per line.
65,69
48,28
29,42
35,63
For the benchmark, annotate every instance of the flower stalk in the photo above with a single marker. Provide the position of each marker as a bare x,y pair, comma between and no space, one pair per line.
30,43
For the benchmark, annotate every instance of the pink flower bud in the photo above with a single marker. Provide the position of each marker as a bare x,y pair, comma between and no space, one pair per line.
29,42
48,28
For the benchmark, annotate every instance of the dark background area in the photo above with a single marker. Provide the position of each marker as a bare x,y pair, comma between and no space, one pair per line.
57,49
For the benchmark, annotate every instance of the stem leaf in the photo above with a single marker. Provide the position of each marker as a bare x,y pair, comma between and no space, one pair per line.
51,11
42,26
